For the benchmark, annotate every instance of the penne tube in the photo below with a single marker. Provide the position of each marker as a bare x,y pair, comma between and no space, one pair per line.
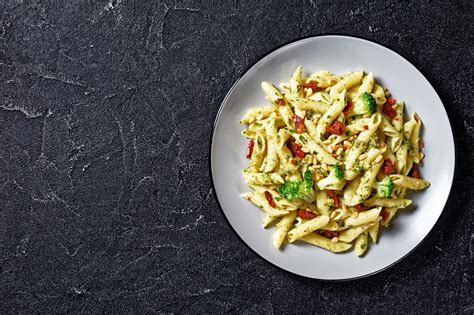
307,104
387,202
267,220
307,227
366,182
326,243
259,151
330,115
358,125
361,142
367,84
346,83
272,92
350,189
397,121
253,113
263,178
363,217
379,95
409,182
282,228
374,231
271,160
390,212
296,82
415,138
322,202
260,201
361,244
349,235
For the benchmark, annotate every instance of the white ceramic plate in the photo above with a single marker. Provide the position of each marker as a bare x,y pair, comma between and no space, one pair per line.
337,54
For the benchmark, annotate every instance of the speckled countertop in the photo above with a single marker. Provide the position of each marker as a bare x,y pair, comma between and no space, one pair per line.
105,119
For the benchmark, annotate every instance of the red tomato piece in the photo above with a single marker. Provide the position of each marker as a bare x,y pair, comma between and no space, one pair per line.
384,214
366,127
388,167
348,108
415,172
334,197
330,234
281,101
299,123
391,101
359,207
250,149
337,128
388,110
270,200
313,85
295,148
306,215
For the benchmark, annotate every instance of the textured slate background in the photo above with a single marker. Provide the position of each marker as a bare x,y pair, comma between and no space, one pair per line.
105,120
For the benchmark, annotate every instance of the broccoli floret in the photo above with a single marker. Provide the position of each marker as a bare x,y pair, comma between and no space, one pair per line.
302,190
307,191
308,180
385,187
335,179
364,105
290,190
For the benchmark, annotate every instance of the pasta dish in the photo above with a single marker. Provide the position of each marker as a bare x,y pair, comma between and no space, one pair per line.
330,159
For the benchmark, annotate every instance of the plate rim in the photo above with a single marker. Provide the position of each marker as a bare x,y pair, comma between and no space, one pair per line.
231,89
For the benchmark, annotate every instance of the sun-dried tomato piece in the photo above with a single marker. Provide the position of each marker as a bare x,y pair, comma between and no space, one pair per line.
306,215
295,148
330,234
349,107
337,128
299,123
281,101
250,149
415,172
388,167
270,200
334,197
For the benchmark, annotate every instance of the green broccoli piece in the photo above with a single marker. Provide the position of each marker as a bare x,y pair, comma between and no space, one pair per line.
364,105
302,190
308,180
335,179
290,190
307,191
385,187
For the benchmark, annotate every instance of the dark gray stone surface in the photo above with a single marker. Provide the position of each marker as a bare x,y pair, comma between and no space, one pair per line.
105,194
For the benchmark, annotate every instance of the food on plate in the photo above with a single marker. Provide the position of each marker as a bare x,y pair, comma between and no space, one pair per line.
331,158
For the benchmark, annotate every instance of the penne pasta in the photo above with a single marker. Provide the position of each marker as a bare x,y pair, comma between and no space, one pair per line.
374,231
326,243
347,82
263,179
387,202
282,228
361,244
363,217
260,201
307,227
410,182
268,219
366,183
330,159
349,235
